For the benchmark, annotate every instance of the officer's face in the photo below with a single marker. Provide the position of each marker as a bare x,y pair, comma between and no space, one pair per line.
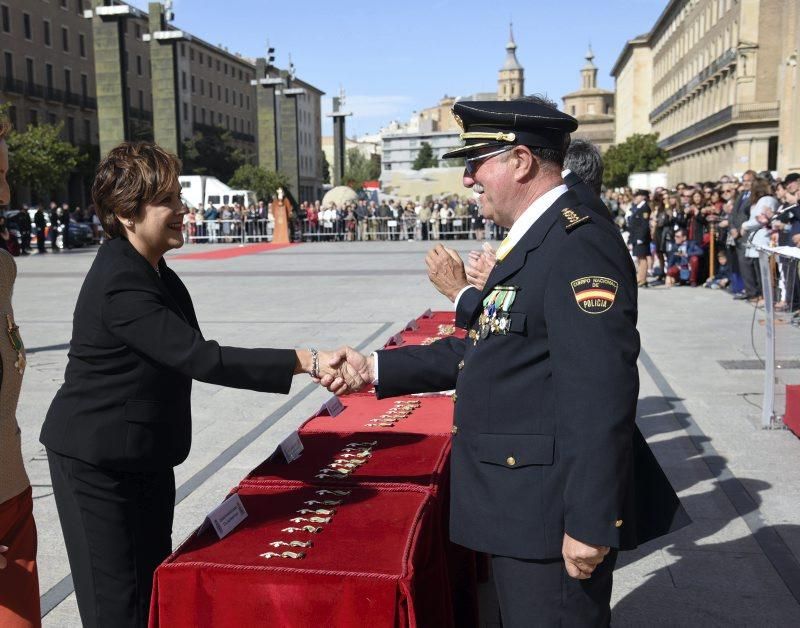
490,182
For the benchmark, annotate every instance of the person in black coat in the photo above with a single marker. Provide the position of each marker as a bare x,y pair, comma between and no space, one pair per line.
40,222
546,383
639,229
122,419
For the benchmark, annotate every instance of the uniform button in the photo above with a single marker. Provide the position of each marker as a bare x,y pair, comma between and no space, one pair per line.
454,430
618,523
461,365
511,461
455,397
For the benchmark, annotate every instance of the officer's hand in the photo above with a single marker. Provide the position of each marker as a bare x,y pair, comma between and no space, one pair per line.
347,363
581,559
446,271
480,265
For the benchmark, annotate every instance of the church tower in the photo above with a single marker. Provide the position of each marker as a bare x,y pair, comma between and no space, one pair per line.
511,78
589,72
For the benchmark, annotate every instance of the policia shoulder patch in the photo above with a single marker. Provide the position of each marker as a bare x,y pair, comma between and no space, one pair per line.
595,295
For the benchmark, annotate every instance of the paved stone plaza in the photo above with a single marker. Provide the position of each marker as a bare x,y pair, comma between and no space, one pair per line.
736,565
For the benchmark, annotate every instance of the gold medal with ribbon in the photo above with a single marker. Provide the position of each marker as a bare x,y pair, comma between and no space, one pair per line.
16,344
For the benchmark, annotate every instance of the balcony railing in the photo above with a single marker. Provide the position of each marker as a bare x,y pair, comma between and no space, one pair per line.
725,60
33,90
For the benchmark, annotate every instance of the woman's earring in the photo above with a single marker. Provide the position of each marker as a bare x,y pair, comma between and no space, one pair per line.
130,223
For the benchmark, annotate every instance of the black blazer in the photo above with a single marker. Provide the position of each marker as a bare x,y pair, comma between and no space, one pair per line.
586,195
544,414
135,349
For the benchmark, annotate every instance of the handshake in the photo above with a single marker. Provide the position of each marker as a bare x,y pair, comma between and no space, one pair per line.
342,371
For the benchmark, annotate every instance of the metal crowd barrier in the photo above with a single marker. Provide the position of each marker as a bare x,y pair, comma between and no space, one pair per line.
229,231
380,228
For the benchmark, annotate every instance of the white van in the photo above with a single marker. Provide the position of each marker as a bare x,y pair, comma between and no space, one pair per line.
197,190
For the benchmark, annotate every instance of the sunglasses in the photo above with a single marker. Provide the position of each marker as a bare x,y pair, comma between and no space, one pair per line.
471,165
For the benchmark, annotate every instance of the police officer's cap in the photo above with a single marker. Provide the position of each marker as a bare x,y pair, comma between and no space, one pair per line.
497,124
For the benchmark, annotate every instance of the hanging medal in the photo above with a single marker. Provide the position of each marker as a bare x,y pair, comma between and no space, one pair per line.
16,344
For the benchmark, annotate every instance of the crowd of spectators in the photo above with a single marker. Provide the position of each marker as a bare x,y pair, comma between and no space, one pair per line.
707,233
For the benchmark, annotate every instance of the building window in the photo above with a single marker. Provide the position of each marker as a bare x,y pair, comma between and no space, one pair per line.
71,129
219,118
33,117
48,76
82,45
46,32
79,7
200,57
64,4
193,85
225,71
219,93
202,87
139,65
194,114
248,103
227,122
217,65
191,54
203,114
6,18
85,86
573,110
67,80
185,112
87,132
138,31
51,119
141,100
26,26
226,95
65,38
29,74
9,65
183,80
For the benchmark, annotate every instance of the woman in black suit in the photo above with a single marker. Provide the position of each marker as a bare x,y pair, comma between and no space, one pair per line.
122,419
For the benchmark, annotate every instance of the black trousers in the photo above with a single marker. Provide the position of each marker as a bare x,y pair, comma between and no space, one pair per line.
117,528
539,593
748,269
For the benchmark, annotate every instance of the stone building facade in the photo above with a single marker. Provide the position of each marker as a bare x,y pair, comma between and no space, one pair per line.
49,74
723,86
593,107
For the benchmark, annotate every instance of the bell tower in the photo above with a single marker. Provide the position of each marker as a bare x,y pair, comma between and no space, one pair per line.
511,78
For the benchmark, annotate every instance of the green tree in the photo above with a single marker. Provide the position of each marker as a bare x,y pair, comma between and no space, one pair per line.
326,168
262,181
40,159
358,170
638,153
211,151
425,158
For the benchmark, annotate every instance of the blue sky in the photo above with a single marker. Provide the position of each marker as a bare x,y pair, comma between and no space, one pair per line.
395,58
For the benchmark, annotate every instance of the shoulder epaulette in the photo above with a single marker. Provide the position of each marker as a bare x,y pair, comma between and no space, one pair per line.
573,218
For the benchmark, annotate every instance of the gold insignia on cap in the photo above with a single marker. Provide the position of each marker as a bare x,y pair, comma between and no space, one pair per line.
497,137
458,120
594,295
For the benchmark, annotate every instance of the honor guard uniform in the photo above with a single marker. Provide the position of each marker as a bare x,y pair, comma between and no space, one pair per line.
546,386
639,225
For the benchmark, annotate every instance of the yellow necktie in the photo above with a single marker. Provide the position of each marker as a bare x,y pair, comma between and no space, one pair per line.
504,249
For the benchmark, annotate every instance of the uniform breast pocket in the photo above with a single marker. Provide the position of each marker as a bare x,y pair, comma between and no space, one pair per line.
515,451
147,430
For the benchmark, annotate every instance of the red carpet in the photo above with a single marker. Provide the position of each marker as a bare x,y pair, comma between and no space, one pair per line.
234,251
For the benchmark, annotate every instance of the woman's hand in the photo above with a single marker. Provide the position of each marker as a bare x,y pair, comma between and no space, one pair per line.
331,370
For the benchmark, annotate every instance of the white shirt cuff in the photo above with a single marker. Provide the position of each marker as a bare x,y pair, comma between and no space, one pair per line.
375,367
458,296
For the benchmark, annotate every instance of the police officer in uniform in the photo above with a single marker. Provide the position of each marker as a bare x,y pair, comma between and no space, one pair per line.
546,381
639,230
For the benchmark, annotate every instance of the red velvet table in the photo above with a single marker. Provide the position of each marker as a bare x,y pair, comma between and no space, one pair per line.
379,562
382,560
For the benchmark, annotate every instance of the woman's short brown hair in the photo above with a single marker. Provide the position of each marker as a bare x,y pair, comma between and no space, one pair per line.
131,176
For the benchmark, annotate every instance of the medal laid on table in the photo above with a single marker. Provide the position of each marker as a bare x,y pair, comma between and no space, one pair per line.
494,318
16,343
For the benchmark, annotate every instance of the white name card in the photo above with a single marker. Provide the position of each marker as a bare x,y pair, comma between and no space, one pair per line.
332,407
225,517
291,447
